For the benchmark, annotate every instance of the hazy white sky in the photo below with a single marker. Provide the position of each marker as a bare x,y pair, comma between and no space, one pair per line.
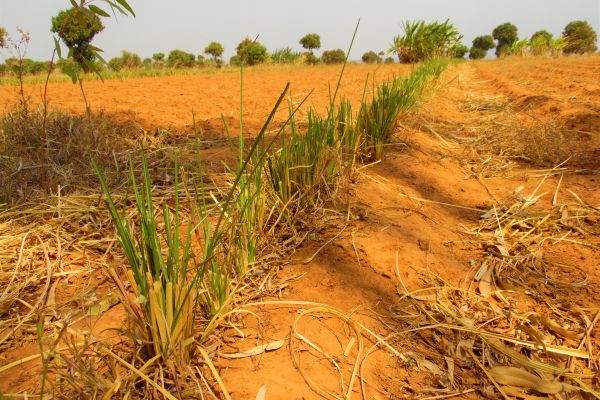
163,25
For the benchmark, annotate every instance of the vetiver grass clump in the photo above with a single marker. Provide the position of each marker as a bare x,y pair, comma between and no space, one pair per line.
390,100
310,161
177,268
164,304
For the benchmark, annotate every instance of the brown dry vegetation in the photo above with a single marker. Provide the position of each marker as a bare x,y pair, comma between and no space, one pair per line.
474,244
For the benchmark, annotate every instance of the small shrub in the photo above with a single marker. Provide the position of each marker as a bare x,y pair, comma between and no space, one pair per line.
311,59
389,60
285,56
371,57
336,56
131,60
484,42
540,42
477,53
116,63
235,61
180,59
72,141
251,52
459,51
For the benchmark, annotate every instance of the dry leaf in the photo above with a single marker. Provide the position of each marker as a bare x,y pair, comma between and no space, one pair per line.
518,377
555,327
485,284
262,392
103,305
255,350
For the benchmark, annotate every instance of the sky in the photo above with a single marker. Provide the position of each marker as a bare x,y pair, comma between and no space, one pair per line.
189,25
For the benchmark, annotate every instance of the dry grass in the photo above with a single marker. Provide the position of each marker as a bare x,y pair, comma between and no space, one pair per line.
503,136
518,319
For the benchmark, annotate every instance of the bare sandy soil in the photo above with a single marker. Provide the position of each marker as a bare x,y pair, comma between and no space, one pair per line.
168,102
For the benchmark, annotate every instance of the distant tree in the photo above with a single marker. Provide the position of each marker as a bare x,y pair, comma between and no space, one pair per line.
389,60
506,35
311,41
3,37
476,53
214,49
180,59
76,27
542,35
481,45
251,52
235,61
370,57
201,61
580,38
336,56
147,62
485,42
310,58
116,63
459,51
540,42
158,57
131,60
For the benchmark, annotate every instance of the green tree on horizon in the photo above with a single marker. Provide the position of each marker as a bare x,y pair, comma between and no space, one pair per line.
506,35
580,38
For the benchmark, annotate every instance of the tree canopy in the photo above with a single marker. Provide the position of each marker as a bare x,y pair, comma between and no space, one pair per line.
484,42
311,41
580,38
76,27
540,42
336,56
215,49
251,52
506,35
370,57
477,53
180,59
460,51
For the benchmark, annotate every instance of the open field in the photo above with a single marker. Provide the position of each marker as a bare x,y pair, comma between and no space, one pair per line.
474,243
167,102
